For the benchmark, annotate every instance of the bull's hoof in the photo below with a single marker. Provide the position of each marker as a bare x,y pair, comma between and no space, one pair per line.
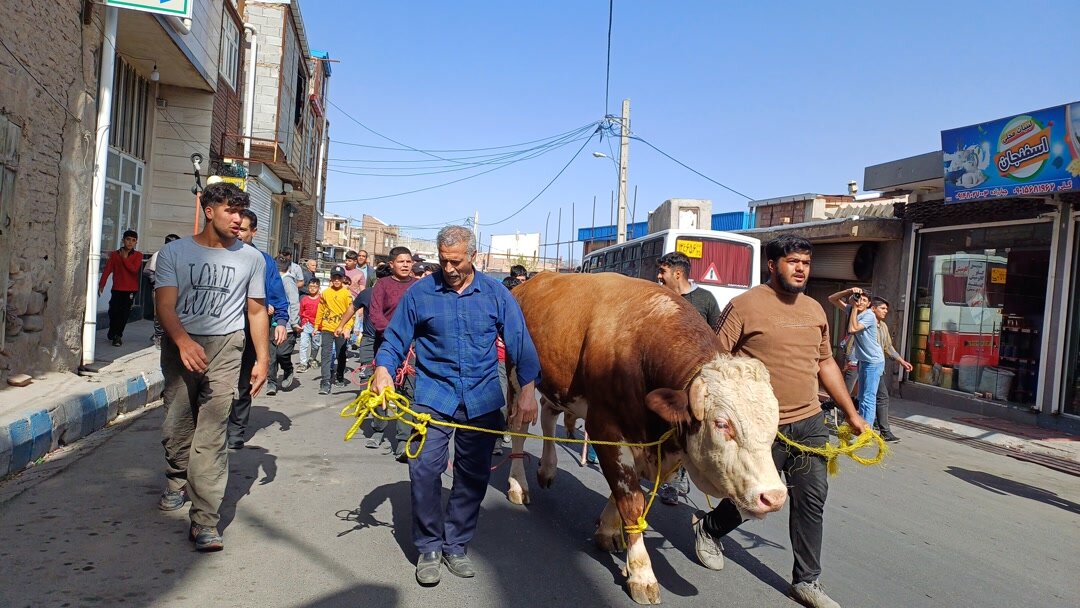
643,593
609,542
545,479
518,497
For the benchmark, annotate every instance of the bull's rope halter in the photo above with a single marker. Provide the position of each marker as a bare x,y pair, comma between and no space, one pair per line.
831,452
396,407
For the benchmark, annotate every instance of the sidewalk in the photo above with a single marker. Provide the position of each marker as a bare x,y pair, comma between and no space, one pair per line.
1054,449
57,409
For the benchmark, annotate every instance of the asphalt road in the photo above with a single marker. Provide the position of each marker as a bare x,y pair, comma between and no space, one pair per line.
312,521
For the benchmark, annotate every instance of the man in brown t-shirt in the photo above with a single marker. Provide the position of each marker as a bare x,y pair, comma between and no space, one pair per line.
787,331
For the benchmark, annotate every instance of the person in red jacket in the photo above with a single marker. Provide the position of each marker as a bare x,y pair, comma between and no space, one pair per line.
123,265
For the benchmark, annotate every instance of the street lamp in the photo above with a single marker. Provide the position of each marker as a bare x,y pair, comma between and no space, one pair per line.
620,229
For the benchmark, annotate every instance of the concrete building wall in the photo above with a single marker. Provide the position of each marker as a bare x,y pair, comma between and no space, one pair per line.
180,130
205,37
268,19
48,93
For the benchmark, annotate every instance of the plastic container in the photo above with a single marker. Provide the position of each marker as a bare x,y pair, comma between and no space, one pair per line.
998,381
948,378
967,373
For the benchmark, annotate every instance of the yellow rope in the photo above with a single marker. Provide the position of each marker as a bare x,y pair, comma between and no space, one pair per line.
368,402
848,446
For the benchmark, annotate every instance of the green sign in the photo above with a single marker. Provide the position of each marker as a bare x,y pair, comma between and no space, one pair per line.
176,8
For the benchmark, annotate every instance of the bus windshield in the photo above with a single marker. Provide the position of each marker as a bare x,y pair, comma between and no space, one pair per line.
717,262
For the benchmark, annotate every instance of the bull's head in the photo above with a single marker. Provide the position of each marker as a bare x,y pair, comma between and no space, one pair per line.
730,415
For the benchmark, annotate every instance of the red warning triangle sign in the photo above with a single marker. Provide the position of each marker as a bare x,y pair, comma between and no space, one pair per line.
711,274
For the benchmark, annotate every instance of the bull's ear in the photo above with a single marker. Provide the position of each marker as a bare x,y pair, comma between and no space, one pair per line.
671,405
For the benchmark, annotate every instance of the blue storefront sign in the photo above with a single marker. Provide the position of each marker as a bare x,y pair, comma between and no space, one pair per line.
1033,154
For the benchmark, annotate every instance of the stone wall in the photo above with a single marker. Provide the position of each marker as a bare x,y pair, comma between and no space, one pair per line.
48,91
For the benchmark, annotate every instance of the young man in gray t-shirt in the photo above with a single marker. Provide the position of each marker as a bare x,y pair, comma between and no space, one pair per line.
205,287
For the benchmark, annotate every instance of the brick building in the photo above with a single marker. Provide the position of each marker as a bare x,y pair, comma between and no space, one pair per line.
47,116
286,144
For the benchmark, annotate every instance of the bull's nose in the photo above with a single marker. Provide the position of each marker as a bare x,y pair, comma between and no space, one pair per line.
772,500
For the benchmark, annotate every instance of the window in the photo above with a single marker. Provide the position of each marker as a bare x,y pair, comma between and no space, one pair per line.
229,64
301,93
123,198
980,301
131,97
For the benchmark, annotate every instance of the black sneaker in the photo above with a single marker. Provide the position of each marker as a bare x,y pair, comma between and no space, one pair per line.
206,538
341,382
117,342
324,390
890,438
271,388
668,494
172,500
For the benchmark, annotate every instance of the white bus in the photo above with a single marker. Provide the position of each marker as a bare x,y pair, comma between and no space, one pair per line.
724,263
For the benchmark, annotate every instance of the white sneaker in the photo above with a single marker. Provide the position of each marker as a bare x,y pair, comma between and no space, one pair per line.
812,594
708,549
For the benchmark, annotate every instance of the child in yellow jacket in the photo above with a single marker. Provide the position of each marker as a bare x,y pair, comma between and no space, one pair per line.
334,302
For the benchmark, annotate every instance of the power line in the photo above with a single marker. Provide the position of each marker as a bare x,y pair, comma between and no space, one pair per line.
691,169
607,77
489,158
411,149
522,155
544,189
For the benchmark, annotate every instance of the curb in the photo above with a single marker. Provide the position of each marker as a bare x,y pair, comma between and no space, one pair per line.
35,433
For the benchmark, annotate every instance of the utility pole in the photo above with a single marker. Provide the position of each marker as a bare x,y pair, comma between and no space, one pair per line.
624,161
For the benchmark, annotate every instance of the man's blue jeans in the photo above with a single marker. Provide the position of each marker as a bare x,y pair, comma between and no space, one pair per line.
869,379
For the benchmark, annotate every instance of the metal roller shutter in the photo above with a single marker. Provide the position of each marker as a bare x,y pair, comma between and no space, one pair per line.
262,206
843,261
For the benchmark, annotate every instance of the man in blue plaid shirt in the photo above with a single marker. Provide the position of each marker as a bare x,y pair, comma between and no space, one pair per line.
453,318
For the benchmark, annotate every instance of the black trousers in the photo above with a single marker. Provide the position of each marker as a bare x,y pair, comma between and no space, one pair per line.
241,406
281,356
119,310
808,486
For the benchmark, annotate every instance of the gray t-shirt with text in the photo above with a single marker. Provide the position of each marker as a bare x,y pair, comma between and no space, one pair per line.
213,284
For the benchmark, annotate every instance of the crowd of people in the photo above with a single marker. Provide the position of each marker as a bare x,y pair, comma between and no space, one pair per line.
232,318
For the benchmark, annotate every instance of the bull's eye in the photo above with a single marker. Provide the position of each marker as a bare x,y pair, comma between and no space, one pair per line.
724,426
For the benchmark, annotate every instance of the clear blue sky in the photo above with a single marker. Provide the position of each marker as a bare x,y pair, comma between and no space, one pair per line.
769,98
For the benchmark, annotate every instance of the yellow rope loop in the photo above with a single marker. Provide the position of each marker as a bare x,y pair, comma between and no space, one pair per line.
848,446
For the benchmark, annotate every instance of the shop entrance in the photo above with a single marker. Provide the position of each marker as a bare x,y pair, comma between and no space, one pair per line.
980,297
1071,404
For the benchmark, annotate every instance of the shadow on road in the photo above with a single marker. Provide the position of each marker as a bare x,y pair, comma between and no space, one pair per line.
263,417
358,595
1002,487
244,466
400,524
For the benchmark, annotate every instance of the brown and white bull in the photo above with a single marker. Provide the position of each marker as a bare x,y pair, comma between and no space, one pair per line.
635,360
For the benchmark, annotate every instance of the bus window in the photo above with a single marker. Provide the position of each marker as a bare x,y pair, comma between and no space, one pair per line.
630,260
650,253
717,262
